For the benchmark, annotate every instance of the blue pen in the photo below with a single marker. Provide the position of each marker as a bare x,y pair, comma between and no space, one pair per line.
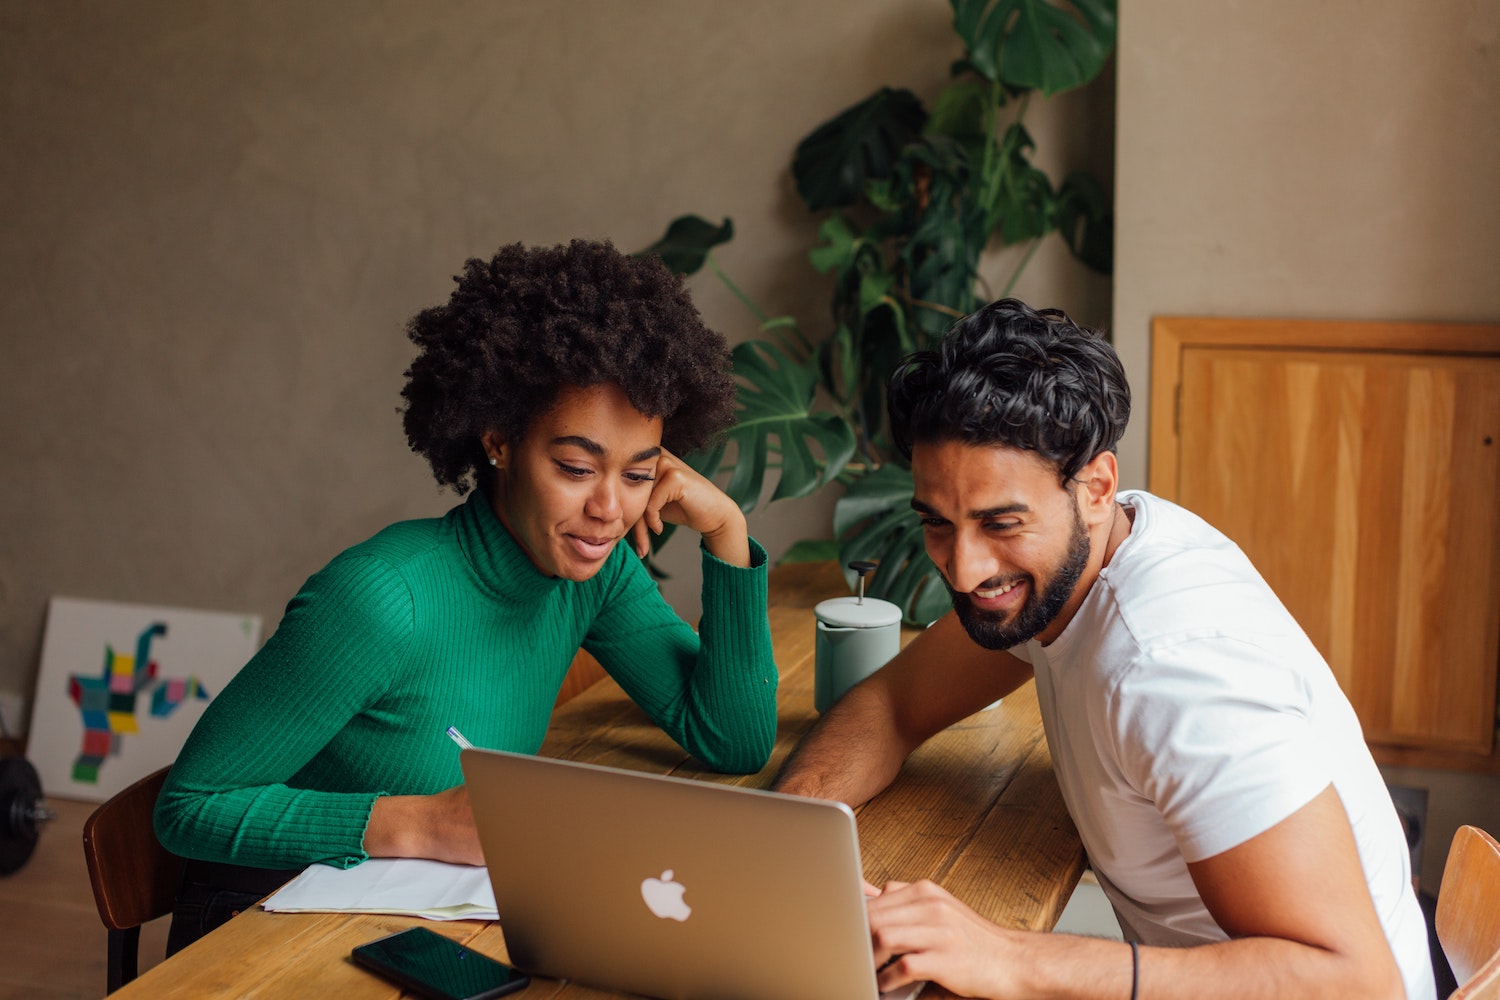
458,737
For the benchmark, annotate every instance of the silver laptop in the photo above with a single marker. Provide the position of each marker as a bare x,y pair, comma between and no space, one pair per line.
670,887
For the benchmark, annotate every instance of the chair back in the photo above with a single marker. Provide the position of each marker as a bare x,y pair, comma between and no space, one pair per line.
134,878
1468,914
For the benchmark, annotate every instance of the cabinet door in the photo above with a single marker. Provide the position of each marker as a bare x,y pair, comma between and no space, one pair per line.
1363,485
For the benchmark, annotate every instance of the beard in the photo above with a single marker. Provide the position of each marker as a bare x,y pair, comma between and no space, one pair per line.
1002,630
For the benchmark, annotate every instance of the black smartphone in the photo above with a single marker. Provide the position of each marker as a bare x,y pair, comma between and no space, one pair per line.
430,965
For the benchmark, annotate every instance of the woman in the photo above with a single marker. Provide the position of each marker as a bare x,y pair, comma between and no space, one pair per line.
562,383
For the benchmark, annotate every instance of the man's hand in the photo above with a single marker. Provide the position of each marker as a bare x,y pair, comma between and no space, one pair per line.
920,932
1293,901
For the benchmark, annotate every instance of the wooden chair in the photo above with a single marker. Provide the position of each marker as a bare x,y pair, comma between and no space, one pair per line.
1468,914
134,878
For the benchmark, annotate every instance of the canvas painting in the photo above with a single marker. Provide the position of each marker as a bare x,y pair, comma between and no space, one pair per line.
121,686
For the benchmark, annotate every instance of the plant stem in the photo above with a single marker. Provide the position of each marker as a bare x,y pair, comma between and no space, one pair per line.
934,306
756,310
988,176
1016,274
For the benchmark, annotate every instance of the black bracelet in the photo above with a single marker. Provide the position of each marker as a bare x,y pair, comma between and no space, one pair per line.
1135,971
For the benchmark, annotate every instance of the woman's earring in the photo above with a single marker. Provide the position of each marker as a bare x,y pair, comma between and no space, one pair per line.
494,461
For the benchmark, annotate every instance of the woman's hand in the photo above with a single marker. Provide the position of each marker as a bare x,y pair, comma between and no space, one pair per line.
681,496
439,826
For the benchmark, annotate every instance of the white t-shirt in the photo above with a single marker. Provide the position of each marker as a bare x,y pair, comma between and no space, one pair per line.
1187,712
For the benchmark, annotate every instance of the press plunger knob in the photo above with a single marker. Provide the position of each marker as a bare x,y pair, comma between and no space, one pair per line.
862,567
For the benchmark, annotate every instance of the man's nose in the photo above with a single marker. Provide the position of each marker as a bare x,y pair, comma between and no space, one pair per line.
970,562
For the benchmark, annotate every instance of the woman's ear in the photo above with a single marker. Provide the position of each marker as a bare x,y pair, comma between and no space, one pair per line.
495,447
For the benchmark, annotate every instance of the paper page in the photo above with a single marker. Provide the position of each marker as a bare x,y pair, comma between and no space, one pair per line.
406,886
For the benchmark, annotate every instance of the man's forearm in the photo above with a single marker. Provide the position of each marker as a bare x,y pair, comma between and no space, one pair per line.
851,755
859,745
1249,968
1066,967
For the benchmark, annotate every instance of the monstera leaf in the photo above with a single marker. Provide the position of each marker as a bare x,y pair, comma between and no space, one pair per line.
774,413
1085,221
925,194
874,521
1026,205
687,242
1036,43
862,144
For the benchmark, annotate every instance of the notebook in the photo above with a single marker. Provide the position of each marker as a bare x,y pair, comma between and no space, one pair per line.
411,887
669,887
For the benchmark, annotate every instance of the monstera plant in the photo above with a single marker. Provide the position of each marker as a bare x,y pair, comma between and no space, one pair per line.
910,197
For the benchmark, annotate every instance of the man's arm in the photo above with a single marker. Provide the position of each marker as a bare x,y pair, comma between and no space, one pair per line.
858,746
1293,900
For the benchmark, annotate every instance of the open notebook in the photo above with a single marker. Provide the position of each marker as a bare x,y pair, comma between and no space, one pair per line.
405,886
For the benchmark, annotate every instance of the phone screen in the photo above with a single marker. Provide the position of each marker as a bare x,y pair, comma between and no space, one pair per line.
434,966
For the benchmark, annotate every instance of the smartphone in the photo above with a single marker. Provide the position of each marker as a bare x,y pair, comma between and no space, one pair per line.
430,965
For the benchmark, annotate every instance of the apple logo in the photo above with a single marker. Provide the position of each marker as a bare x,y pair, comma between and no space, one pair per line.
663,897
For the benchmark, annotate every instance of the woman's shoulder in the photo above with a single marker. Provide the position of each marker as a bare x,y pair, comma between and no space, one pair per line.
394,549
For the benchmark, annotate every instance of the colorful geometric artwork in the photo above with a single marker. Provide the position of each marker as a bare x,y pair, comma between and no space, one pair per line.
121,686
107,703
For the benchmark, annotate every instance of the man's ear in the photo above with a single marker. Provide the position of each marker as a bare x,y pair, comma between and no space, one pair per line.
1097,483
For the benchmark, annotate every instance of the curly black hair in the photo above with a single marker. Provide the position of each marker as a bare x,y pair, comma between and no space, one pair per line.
530,321
1013,375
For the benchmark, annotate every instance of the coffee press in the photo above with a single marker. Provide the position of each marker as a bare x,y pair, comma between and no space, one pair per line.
856,636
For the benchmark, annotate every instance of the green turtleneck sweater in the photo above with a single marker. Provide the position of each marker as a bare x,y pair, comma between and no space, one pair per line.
446,622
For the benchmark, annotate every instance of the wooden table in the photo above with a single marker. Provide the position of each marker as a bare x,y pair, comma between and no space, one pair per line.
976,809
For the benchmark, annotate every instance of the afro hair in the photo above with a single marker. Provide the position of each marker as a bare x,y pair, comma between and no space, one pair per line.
531,320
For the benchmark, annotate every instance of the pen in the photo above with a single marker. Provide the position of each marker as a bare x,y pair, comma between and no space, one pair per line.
458,737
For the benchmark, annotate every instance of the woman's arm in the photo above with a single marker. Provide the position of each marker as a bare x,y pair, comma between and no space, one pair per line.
227,798
714,691
440,827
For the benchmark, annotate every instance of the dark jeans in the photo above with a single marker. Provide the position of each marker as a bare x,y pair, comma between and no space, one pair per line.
211,893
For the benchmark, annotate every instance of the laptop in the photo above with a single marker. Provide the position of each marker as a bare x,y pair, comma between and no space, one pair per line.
670,887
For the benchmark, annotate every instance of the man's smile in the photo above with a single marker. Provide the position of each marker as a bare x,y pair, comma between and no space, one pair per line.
997,597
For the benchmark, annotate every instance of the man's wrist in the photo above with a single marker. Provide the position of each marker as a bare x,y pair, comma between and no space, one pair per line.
801,783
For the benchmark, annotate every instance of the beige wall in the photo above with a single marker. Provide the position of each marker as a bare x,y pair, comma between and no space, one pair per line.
1320,159
1335,158
219,215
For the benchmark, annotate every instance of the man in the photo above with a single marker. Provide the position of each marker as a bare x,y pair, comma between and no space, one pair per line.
1216,773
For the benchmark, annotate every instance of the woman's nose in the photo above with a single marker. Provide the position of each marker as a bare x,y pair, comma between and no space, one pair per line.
603,503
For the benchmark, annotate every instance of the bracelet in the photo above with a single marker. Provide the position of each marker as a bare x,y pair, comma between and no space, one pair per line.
1135,971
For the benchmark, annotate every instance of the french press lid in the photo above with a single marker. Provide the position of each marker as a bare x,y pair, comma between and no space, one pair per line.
860,611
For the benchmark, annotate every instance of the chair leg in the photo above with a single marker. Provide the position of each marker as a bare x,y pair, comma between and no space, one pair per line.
124,948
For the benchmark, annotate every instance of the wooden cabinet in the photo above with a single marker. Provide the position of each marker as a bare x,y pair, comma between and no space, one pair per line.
1358,465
